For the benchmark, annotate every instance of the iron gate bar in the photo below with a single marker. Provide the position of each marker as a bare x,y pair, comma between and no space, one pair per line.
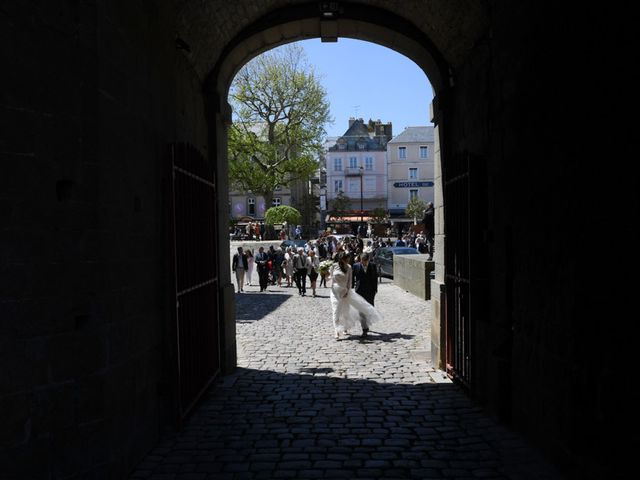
196,320
457,277
195,177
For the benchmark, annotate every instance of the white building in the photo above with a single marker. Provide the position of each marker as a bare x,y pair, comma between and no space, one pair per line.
410,169
356,165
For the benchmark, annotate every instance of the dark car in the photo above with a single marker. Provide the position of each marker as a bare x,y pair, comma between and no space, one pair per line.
384,258
294,244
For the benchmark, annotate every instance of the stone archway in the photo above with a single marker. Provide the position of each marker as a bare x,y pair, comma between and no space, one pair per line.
85,298
303,22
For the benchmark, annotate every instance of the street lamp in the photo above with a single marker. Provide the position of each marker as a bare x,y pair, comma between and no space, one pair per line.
323,206
361,196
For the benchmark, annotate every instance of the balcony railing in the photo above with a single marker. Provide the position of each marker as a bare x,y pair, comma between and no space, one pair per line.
353,172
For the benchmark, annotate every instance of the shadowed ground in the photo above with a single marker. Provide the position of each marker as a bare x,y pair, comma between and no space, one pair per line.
303,405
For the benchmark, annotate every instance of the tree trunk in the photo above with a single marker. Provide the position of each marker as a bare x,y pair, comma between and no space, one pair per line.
268,200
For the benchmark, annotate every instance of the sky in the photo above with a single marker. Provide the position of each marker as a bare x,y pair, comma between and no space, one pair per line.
365,80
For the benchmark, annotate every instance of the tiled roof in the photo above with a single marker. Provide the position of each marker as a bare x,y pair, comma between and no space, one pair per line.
357,129
358,134
414,135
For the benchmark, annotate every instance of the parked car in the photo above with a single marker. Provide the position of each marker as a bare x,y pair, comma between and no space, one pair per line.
343,237
294,244
383,258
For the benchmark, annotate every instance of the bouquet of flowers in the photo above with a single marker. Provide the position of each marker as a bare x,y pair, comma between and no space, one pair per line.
325,266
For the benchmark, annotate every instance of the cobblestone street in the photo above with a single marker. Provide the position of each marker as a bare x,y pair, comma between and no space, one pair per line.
304,405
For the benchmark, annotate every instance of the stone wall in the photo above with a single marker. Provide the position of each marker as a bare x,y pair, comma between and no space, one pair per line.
93,92
413,274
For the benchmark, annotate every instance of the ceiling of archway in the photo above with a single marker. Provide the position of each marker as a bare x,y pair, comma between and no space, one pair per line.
208,25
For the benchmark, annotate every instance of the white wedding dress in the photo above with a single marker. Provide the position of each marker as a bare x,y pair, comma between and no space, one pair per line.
346,310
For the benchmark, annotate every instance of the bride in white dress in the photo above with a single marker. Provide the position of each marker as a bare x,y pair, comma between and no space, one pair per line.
346,304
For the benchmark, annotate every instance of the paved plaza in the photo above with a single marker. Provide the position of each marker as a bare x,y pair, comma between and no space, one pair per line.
303,405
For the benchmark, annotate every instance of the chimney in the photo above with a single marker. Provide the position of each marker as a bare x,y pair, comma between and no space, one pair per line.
351,120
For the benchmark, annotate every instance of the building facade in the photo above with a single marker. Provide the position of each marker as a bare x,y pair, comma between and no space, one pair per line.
247,204
410,170
356,165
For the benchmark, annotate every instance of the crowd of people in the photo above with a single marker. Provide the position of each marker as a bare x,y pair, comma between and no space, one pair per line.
259,231
347,262
354,278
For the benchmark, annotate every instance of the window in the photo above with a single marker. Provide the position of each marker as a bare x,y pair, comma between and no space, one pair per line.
369,184
362,145
413,194
251,206
276,202
342,146
402,152
337,186
413,174
353,162
354,185
423,152
368,163
337,164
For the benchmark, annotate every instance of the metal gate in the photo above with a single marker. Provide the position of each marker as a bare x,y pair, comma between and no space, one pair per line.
457,277
194,246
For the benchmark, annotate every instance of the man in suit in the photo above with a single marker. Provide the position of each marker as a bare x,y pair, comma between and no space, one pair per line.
239,265
300,271
365,283
261,260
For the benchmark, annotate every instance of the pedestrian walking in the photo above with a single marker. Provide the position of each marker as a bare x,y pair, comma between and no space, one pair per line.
365,283
288,266
300,275
251,264
313,264
263,272
278,260
346,304
239,265
271,265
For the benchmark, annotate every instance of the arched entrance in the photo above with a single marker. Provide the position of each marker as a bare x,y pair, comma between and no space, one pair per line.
87,297
384,28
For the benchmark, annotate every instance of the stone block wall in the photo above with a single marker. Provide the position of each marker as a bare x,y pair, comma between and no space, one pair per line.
92,94
413,274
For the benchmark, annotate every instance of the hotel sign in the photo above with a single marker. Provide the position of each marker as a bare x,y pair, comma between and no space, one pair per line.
412,184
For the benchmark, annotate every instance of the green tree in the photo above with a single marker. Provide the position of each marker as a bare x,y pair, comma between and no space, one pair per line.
415,209
379,215
340,205
279,115
281,214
